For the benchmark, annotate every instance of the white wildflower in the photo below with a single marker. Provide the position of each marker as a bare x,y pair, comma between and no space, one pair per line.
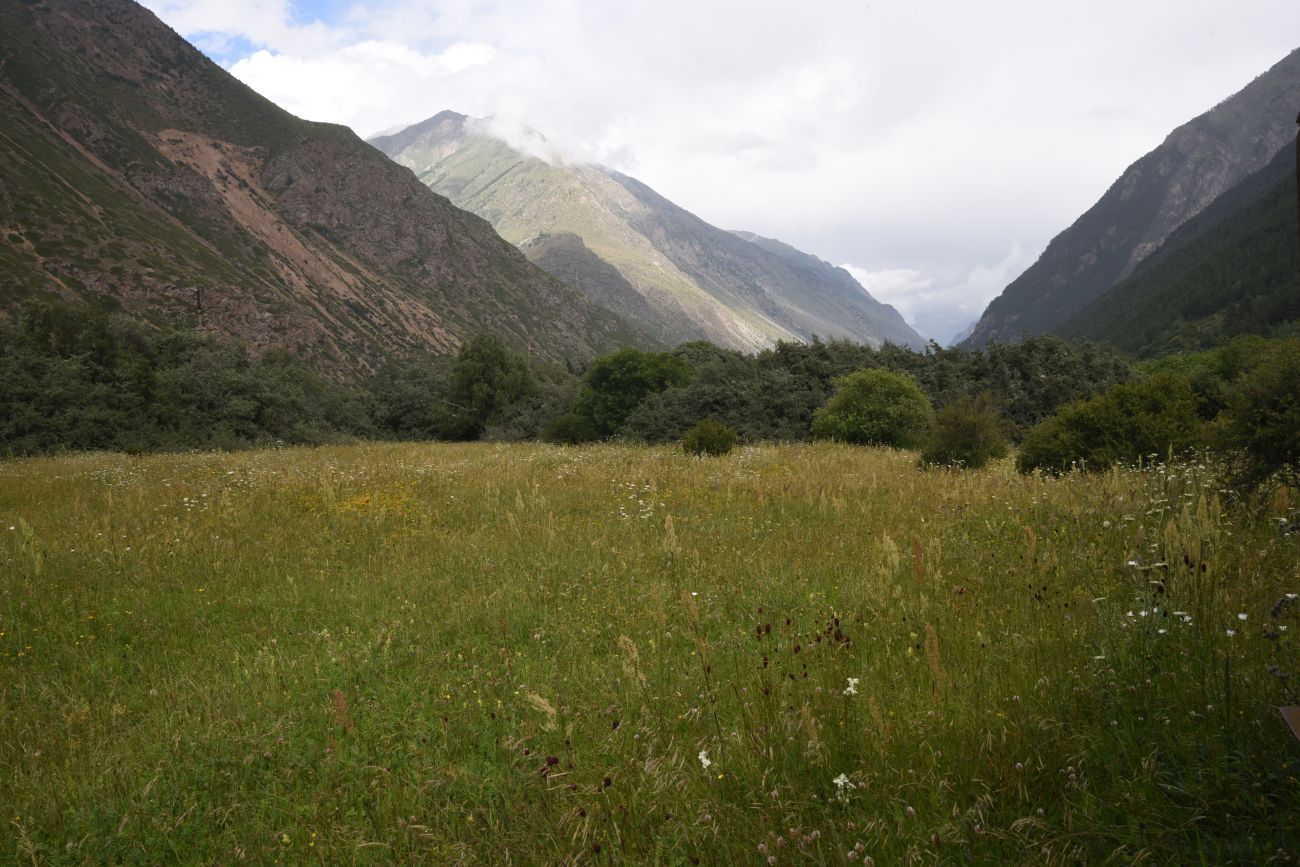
1241,616
842,786
851,689
704,759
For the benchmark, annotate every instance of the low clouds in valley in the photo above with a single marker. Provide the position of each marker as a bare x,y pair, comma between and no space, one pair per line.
934,148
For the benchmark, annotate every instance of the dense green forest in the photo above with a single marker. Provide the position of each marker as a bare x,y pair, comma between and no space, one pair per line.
75,378
72,378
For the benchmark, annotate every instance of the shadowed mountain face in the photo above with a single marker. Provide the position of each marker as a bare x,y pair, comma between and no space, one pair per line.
1232,269
1195,165
137,174
690,280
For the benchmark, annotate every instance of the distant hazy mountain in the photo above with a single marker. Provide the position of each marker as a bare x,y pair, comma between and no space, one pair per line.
136,174
1196,164
963,334
627,247
1232,269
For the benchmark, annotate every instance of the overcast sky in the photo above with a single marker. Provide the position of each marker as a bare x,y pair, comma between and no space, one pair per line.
934,148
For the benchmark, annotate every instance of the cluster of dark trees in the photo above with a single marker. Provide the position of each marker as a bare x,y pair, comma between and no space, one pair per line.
75,378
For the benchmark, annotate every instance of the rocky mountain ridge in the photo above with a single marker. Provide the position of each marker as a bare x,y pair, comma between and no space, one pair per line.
691,280
136,174
1195,165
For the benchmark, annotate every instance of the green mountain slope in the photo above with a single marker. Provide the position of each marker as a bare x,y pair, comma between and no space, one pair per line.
1196,164
137,174
1232,269
694,280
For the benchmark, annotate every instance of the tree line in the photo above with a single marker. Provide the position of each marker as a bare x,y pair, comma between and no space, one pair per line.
72,378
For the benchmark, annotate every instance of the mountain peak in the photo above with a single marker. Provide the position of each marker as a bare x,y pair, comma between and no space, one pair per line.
692,280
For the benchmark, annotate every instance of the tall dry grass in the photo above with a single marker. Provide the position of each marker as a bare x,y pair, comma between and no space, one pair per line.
525,654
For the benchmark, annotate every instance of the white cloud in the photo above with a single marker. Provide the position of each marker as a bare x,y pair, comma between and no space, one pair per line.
353,83
939,306
915,136
901,287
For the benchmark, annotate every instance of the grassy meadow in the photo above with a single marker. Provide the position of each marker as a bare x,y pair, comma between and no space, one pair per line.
529,654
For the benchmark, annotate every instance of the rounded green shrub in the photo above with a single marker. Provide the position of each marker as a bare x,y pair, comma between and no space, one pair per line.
570,430
1130,421
874,407
709,437
965,433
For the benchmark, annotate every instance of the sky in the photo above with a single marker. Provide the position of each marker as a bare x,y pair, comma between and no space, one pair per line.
932,148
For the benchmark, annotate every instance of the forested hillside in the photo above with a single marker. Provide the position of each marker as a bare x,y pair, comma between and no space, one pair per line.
1234,269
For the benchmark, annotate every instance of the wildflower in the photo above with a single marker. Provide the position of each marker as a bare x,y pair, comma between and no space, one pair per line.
851,689
1241,616
1231,632
842,785
704,759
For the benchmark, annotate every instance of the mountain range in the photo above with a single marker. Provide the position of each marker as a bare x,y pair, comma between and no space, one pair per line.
1232,269
136,174
630,249
1197,164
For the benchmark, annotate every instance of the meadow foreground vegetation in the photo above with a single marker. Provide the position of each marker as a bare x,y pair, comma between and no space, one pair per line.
472,653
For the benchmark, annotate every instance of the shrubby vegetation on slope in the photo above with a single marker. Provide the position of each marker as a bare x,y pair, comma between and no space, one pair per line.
1241,399
71,378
